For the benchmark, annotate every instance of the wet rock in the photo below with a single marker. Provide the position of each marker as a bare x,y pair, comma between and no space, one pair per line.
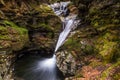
5,63
73,9
66,63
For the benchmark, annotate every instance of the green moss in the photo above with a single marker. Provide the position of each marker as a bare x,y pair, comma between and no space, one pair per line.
14,35
95,64
116,76
111,36
17,28
107,72
42,27
3,30
45,27
4,37
44,9
96,24
108,50
102,16
50,34
4,33
108,46
79,75
73,44
89,49
116,21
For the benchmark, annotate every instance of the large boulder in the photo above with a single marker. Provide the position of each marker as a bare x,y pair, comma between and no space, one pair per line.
66,63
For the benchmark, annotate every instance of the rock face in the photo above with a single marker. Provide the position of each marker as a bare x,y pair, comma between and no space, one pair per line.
97,40
66,63
25,25
12,38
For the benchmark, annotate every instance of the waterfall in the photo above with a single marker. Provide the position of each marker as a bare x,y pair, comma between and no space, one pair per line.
34,67
47,66
69,22
60,8
63,35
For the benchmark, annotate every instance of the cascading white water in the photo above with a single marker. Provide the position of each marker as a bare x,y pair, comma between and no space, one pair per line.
60,8
50,62
69,22
64,33
48,65
34,67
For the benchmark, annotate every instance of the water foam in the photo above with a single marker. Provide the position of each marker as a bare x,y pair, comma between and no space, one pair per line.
47,66
48,63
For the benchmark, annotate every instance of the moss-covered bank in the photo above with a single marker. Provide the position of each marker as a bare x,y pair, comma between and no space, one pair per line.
97,38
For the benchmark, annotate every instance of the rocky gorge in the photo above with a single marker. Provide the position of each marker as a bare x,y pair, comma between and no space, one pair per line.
91,52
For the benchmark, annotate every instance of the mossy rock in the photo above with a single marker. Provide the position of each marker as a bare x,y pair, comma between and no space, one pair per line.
72,43
12,36
44,9
104,13
108,72
108,46
79,44
116,76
